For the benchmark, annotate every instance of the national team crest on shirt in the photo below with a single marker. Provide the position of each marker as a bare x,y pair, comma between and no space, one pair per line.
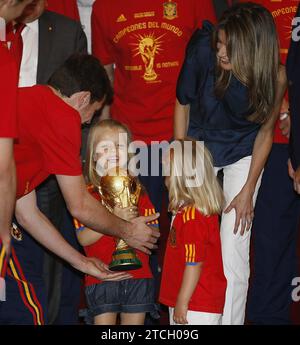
16,233
170,10
172,237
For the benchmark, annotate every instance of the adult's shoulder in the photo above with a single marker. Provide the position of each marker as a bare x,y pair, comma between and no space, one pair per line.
60,20
199,50
201,39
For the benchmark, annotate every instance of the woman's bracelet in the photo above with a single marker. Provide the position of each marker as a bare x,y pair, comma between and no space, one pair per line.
284,115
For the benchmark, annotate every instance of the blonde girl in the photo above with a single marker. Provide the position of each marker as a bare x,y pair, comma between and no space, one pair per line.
133,297
193,283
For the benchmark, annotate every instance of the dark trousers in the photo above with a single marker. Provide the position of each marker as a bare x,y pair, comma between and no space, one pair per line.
275,233
26,299
62,282
157,191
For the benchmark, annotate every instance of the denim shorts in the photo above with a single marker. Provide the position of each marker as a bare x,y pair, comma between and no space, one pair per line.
126,296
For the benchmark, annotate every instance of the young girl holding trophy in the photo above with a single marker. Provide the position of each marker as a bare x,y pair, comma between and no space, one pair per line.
109,182
193,283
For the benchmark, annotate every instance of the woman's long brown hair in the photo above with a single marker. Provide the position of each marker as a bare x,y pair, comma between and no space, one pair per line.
253,51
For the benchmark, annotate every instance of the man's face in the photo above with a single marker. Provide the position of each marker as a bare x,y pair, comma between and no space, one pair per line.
33,11
87,112
12,10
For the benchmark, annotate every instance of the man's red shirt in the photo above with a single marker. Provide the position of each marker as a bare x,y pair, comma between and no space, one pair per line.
49,138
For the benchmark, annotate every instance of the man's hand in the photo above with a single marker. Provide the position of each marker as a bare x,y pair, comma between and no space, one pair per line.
295,175
99,270
140,236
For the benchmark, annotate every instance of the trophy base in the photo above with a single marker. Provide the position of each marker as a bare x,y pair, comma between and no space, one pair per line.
125,260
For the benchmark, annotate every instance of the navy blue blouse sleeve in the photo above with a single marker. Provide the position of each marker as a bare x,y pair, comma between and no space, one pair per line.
196,64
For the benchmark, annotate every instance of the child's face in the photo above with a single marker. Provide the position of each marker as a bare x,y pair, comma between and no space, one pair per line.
111,150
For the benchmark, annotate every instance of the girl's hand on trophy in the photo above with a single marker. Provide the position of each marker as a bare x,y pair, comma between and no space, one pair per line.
126,213
100,270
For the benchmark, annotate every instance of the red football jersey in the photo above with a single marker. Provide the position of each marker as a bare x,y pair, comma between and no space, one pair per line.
49,138
67,8
106,245
194,238
146,41
8,94
283,12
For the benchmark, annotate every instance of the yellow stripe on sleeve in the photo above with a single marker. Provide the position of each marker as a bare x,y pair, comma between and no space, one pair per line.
190,252
193,213
194,253
186,253
189,213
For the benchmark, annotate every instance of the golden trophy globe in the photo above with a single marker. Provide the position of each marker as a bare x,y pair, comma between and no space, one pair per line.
123,190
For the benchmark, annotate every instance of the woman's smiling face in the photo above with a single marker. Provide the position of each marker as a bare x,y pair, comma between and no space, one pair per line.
222,56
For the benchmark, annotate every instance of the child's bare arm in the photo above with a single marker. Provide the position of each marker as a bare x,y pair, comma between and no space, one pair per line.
86,236
190,280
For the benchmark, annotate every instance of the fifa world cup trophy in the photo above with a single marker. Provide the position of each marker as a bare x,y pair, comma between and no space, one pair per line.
123,190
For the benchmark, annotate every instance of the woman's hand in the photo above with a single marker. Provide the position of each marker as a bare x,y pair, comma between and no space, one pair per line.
180,313
127,213
295,175
243,206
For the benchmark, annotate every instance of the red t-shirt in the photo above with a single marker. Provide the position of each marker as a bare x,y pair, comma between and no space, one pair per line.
283,12
8,94
106,245
194,238
67,8
146,41
49,138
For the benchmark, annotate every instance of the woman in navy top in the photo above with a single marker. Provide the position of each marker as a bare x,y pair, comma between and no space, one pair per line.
229,95
293,72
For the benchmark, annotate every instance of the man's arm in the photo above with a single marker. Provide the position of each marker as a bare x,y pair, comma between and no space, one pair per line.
7,189
41,229
91,213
